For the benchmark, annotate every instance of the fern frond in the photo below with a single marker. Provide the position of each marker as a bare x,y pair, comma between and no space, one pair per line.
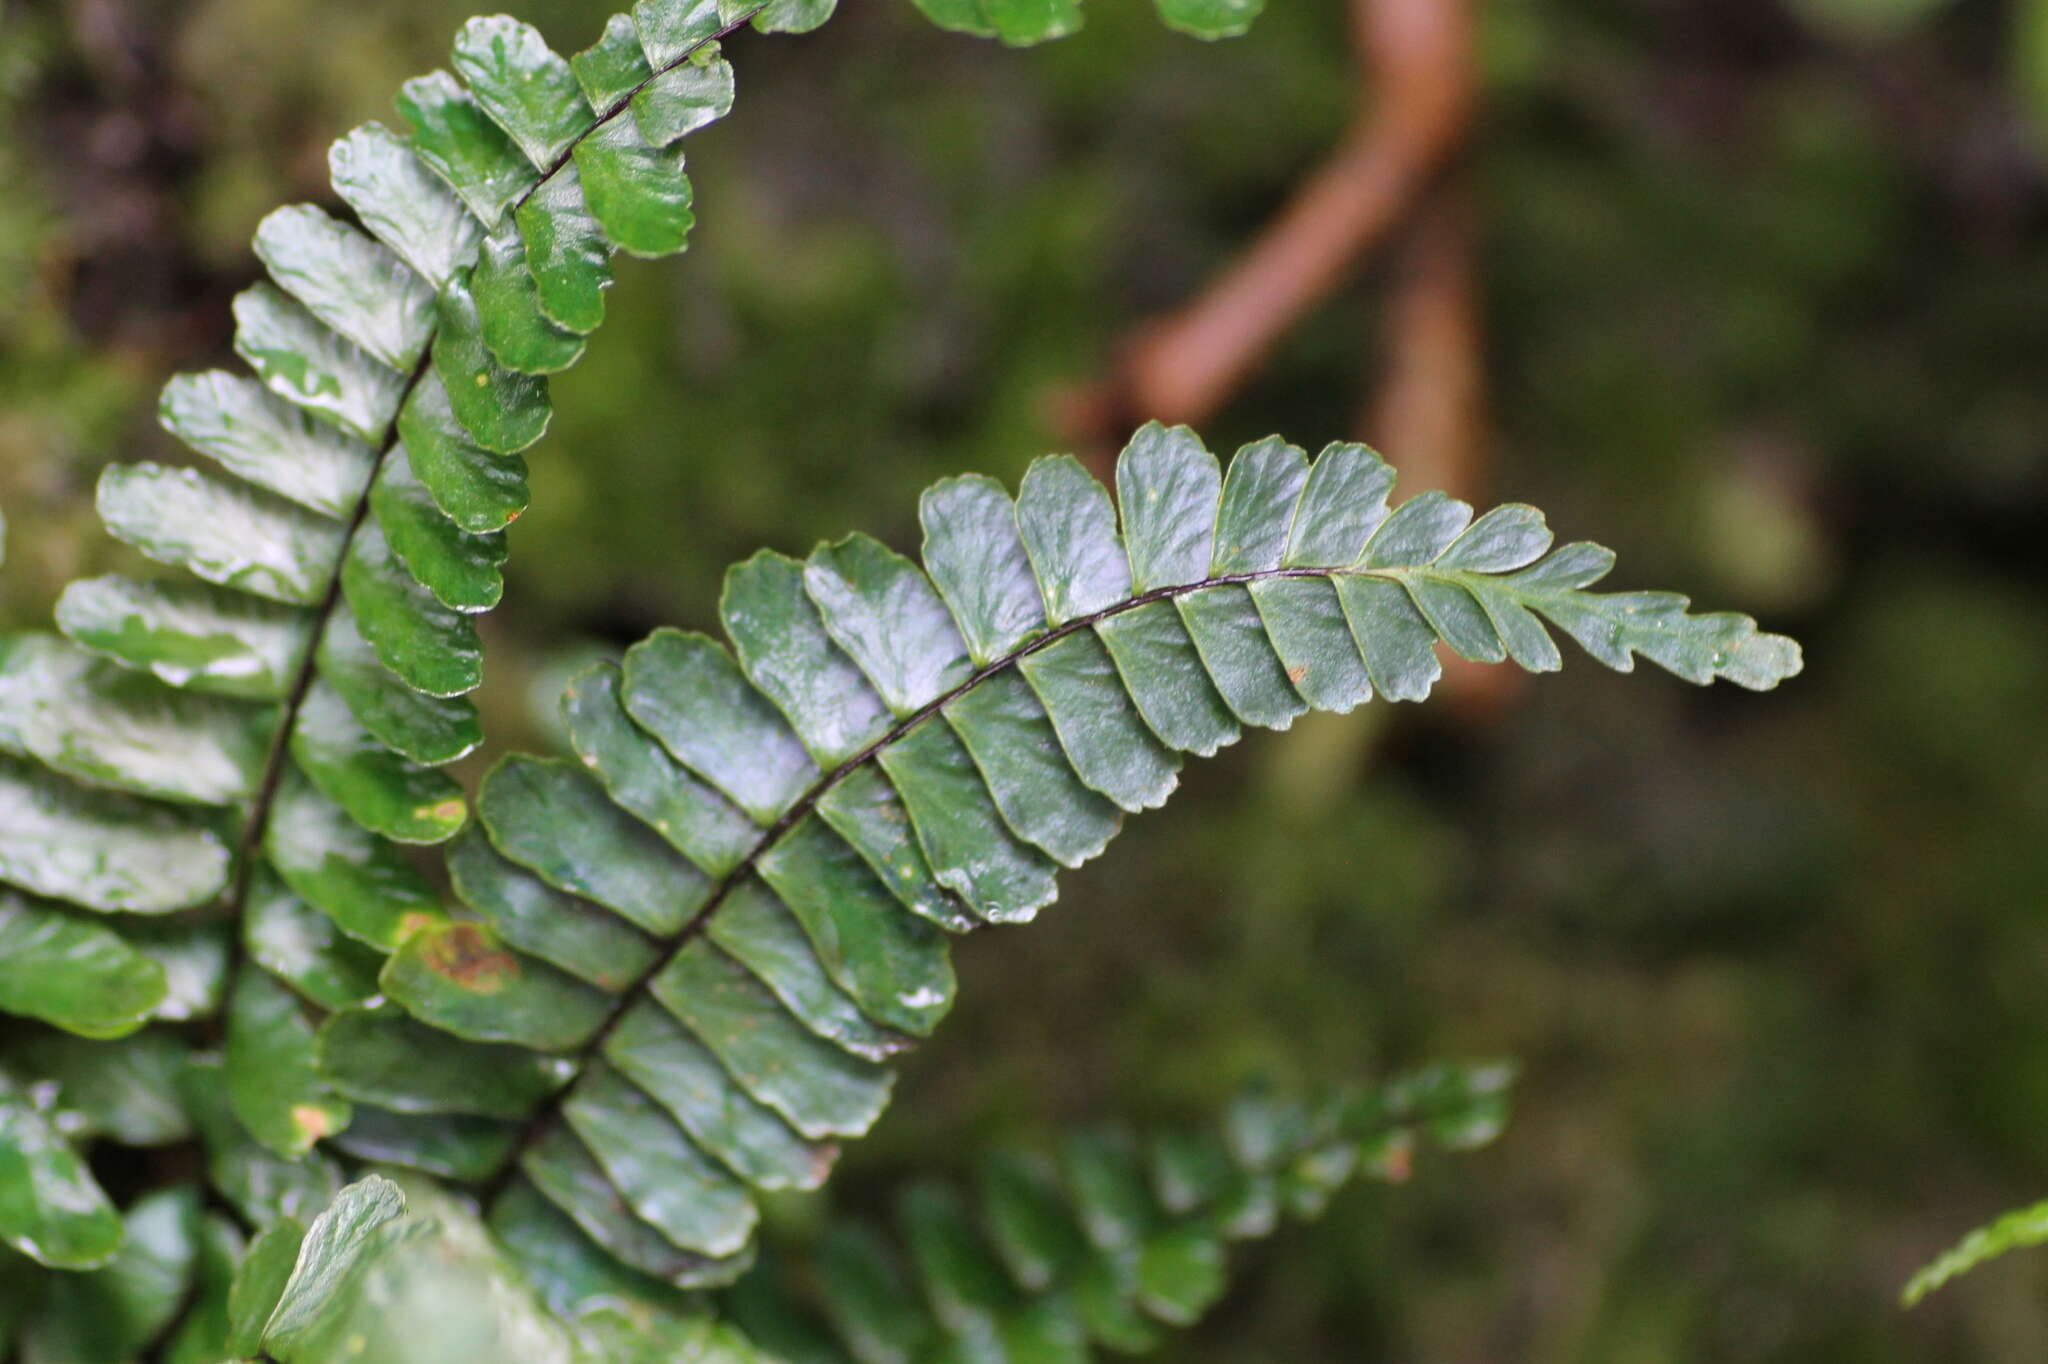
2016,1230
724,919
1022,23
265,726
682,963
1107,1243
1109,1240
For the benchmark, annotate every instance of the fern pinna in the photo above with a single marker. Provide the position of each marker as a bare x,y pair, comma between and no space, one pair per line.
678,964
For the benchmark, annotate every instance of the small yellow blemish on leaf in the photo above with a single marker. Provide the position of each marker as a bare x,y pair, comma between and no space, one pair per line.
483,380
315,1122
446,810
1296,674
412,922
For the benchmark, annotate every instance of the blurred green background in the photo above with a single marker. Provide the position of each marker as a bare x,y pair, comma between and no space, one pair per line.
1765,301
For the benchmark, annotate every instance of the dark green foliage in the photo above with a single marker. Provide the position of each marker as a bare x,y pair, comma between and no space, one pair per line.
1108,1241
1104,1242
1024,22
190,718
680,966
760,948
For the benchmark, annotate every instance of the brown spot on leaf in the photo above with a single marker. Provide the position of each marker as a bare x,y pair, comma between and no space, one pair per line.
465,955
1296,674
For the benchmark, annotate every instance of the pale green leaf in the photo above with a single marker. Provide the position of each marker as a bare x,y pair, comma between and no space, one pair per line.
102,850
188,634
304,363
527,89
266,441
51,1210
73,973
454,136
1210,19
224,532
402,203
360,289
90,719
2016,1230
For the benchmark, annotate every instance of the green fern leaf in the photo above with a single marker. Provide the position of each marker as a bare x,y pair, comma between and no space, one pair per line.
515,327
50,1208
103,850
116,1311
266,442
66,970
1108,1240
258,1283
479,491
312,680
90,719
259,1184
378,1055
1210,19
321,497
2016,1230
361,290
303,947
390,1265
90,1089
726,918
681,966
430,730
1023,23
1019,23
458,566
190,635
225,533
274,1082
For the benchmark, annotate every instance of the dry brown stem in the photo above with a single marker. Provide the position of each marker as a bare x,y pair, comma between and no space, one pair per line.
1415,61
1429,414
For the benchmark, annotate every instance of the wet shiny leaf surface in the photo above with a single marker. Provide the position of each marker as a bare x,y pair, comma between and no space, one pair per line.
188,634
360,289
304,363
266,441
402,202
224,533
64,969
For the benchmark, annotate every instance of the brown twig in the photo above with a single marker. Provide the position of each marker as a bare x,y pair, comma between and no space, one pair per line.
1415,55
1429,415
